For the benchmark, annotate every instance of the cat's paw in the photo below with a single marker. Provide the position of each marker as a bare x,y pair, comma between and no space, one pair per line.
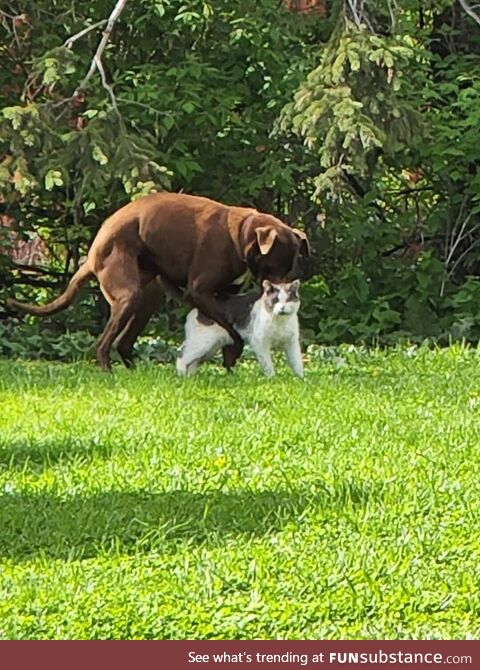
181,367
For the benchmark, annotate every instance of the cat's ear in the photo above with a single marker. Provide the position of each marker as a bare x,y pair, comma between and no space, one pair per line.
266,236
267,286
293,290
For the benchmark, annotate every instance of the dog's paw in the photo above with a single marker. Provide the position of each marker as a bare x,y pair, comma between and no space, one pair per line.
230,356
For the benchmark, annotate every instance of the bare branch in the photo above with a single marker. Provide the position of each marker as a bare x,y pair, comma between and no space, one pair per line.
7,15
353,8
452,242
96,63
143,105
37,269
474,244
470,11
409,191
106,85
358,14
68,43
391,12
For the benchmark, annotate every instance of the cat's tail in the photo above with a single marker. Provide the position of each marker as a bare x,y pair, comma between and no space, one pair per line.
81,277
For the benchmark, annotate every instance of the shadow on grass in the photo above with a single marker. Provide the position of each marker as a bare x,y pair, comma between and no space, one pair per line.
40,455
140,522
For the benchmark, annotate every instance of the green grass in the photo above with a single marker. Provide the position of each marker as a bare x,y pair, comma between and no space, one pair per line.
139,505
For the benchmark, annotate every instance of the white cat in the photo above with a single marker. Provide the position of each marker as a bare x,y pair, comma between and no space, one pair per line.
266,321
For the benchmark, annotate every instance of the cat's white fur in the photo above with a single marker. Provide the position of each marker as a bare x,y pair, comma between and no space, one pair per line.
273,324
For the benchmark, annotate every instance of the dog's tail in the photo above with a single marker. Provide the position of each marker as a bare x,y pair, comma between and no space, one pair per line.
81,276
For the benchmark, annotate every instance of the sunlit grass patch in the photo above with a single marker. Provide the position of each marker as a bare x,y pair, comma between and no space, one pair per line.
143,505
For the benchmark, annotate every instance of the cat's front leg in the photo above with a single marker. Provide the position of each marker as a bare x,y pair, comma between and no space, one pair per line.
264,358
294,356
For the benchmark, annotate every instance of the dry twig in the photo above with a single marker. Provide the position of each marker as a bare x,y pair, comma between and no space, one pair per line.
470,11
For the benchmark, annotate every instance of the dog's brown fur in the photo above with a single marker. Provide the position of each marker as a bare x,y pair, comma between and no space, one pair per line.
189,243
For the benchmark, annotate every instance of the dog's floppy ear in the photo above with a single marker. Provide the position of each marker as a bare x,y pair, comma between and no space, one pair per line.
304,243
266,236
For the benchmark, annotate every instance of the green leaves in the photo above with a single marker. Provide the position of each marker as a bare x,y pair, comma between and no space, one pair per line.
348,105
51,73
13,114
159,8
21,116
374,154
188,107
53,178
98,155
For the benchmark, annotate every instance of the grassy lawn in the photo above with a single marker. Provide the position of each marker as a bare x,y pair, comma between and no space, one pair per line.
140,505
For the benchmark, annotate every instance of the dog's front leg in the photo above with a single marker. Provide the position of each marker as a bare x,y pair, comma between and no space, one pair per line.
230,356
207,304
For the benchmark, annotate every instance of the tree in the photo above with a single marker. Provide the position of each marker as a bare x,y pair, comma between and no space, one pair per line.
391,119
173,96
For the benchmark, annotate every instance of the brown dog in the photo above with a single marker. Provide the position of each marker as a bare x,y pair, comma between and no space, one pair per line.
189,243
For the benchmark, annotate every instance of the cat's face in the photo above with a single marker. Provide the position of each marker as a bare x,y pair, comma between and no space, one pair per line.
281,299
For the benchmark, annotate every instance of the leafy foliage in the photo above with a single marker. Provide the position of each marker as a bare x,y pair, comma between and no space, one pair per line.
355,102
391,116
359,125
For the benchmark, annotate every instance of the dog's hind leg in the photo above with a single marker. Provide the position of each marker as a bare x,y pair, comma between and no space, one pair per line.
150,301
121,286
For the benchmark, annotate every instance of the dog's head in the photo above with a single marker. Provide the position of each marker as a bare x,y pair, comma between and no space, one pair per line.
271,248
281,299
